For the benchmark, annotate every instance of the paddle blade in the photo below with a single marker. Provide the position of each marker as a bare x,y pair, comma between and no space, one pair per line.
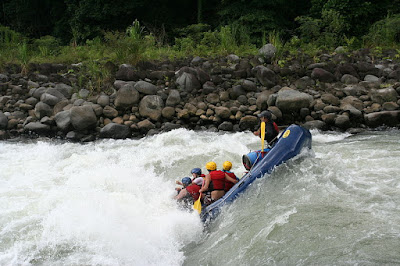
262,135
197,205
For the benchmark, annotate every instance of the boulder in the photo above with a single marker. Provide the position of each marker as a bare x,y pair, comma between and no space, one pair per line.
115,131
63,120
145,125
3,120
262,100
110,112
213,98
342,121
248,85
265,76
168,112
354,90
388,118
225,126
222,112
267,52
37,127
126,97
208,87
315,124
103,100
127,72
322,75
83,117
353,101
146,88
151,106
173,99
65,89
384,95
329,98
289,100
349,79
248,123
42,110
304,82
49,99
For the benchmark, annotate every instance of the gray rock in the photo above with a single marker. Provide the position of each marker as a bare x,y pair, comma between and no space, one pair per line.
208,87
267,52
389,118
146,88
168,112
248,85
103,100
115,131
349,79
3,120
329,98
3,78
188,82
262,100
145,125
371,78
213,98
225,126
168,126
353,112
236,91
37,127
322,75
353,101
355,90
151,106
390,106
83,117
289,100
233,58
63,120
223,112
174,98
42,110
126,97
49,99
331,109
395,75
118,84
248,123
315,124
84,93
342,121
37,93
110,112
127,73
265,76
60,106
196,61
384,95
65,89
304,82
31,101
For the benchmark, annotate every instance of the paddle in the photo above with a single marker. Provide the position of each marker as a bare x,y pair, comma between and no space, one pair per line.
262,136
197,204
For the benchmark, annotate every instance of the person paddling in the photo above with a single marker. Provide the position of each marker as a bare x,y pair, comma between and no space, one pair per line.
271,128
227,166
190,192
214,185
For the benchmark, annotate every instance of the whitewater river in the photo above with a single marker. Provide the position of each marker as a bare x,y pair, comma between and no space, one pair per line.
109,203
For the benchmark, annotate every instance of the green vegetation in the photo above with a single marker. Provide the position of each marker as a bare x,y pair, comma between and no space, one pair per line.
94,32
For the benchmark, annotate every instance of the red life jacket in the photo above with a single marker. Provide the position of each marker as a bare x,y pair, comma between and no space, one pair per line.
193,190
229,184
218,180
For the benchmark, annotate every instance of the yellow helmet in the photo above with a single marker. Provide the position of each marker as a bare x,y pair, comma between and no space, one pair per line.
211,166
227,165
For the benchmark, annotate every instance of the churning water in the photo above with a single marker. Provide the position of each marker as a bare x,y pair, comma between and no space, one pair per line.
110,203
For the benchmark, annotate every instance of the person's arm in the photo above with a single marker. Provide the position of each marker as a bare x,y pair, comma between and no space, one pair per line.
181,194
257,133
206,183
230,179
179,183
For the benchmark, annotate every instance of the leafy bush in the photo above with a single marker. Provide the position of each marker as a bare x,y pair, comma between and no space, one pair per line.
385,32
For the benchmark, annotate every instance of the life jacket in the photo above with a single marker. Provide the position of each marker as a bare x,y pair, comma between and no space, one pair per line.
218,180
229,184
193,190
271,131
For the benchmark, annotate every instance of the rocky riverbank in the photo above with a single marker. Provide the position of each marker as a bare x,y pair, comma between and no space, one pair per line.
329,92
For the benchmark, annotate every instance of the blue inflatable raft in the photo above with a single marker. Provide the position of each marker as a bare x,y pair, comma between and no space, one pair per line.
290,143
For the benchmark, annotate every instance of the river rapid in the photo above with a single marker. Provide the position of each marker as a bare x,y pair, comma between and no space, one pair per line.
110,202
